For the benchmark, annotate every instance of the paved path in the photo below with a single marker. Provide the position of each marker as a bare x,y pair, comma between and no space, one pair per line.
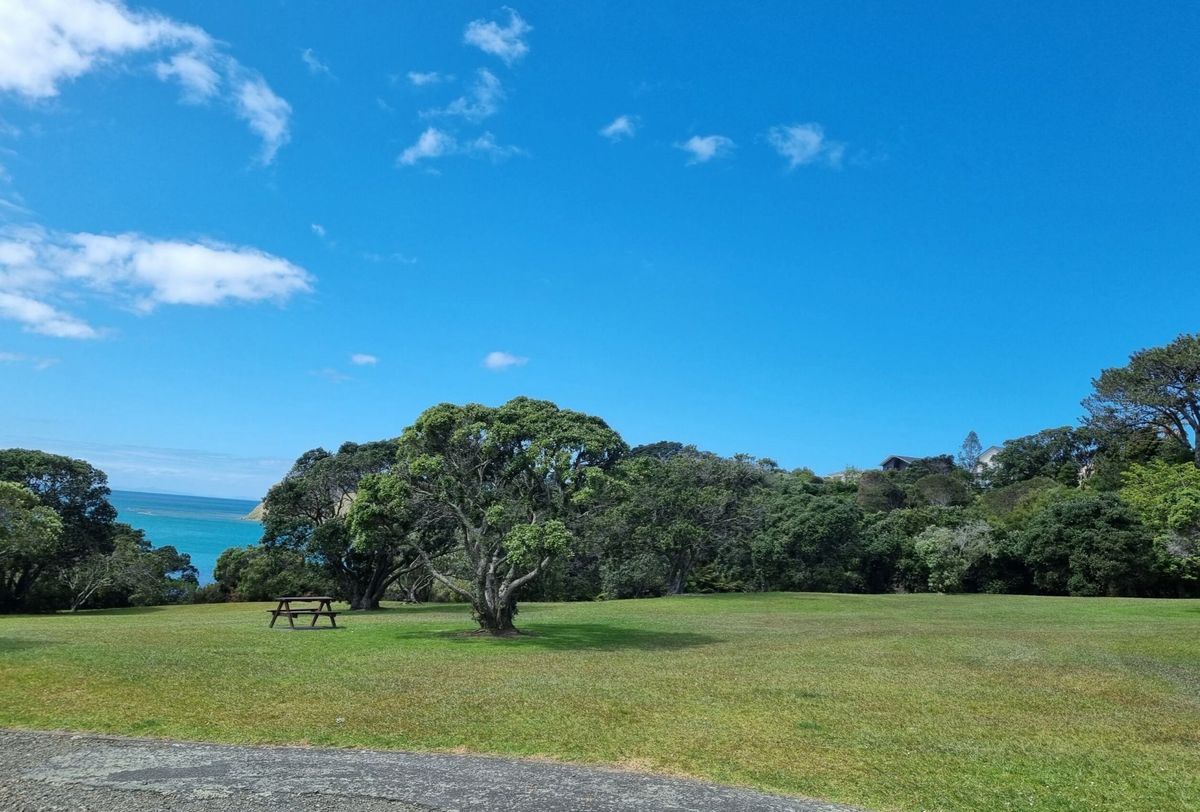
59,771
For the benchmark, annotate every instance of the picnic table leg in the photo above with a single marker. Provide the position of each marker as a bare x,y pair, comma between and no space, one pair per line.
314,620
274,617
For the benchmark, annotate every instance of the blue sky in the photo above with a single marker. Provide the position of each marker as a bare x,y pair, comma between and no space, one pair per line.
819,232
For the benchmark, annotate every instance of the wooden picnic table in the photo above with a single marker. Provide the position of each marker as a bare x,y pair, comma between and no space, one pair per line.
323,608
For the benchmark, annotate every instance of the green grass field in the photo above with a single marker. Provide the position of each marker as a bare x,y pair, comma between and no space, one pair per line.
892,702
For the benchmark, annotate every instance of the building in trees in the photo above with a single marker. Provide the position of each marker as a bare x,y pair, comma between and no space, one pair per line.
897,462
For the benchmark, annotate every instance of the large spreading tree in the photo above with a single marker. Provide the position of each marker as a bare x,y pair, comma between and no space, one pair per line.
78,495
1158,389
508,481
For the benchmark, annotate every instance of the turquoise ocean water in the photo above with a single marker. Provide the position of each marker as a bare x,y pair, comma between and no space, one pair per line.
200,526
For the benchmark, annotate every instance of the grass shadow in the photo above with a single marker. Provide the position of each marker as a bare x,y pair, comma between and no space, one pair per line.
124,610
8,644
423,608
574,637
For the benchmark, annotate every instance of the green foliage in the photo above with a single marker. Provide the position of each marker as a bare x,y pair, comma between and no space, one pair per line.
31,538
1167,498
889,557
311,510
878,493
951,554
811,542
484,471
659,516
923,467
260,573
78,494
134,574
1060,454
1159,389
1087,545
1012,505
943,490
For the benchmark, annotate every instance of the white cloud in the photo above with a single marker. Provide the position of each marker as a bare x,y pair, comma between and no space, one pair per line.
482,101
315,65
318,229
39,317
620,127
198,79
500,361
362,359
705,148
803,144
46,43
39,266
267,114
435,143
422,78
504,41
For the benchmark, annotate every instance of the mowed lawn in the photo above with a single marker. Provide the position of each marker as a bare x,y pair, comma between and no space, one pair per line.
892,702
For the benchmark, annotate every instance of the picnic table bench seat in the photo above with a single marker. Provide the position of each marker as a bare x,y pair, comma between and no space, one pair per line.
324,608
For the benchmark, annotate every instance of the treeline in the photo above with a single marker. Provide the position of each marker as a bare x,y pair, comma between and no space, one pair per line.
61,546
528,500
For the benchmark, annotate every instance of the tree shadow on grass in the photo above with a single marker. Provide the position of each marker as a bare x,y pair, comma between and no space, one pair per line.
416,608
124,610
8,644
573,637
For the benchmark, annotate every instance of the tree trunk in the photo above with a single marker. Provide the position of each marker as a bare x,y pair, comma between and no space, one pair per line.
498,617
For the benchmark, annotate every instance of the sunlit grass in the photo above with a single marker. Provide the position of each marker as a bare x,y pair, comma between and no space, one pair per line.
892,702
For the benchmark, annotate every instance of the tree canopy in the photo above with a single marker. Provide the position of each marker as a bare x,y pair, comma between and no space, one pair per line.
506,479
1159,388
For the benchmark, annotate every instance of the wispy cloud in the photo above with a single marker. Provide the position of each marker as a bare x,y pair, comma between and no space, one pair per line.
500,361
267,114
332,375
315,66
485,146
38,364
134,467
402,259
38,267
198,79
424,78
619,128
39,317
703,149
318,229
436,143
504,41
45,44
362,359
480,102
803,144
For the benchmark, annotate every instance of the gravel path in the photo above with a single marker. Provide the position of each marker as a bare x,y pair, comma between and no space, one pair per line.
59,771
